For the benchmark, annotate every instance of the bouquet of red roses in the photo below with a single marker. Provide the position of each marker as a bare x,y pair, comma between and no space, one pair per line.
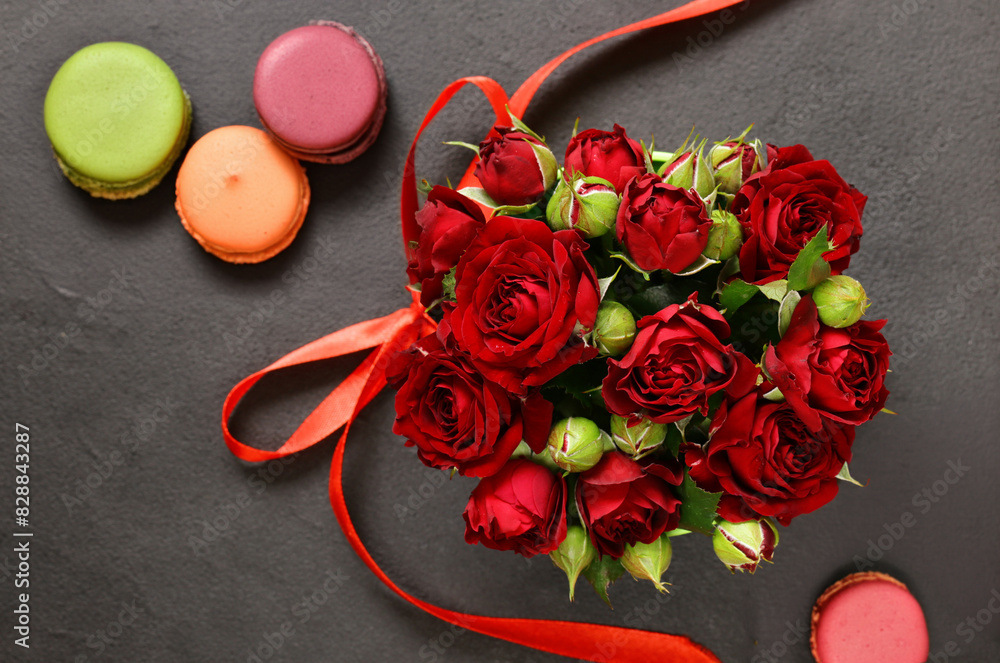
639,344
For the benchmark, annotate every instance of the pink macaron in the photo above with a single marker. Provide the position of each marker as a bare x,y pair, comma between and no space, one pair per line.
868,617
320,91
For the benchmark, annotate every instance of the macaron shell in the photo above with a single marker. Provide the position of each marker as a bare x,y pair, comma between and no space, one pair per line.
320,91
114,113
869,618
240,195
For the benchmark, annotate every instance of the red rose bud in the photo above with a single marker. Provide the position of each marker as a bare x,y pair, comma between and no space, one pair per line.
515,168
662,226
610,155
521,508
688,170
841,301
448,223
732,163
586,204
637,436
725,236
525,298
622,502
457,418
614,329
576,444
742,546
649,561
785,205
827,373
676,363
573,555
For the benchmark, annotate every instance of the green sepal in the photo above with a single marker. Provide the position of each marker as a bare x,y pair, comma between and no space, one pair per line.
601,573
845,475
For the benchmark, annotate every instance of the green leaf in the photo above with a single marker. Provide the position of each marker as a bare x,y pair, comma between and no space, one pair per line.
673,441
775,290
786,310
459,143
448,284
601,573
699,264
887,411
809,268
479,195
697,507
735,294
845,475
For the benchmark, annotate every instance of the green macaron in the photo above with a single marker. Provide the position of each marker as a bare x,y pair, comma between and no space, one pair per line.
117,119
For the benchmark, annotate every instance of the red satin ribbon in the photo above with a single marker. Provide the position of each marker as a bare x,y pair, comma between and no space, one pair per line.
397,331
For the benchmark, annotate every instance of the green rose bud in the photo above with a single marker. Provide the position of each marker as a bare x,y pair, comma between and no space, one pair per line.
840,300
689,170
732,162
648,561
637,436
725,237
576,444
743,545
586,204
614,329
573,555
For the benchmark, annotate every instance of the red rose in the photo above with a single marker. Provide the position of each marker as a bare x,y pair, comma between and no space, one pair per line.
767,461
457,418
525,295
834,373
622,502
448,223
515,168
521,508
675,364
660,225
785,205
610,155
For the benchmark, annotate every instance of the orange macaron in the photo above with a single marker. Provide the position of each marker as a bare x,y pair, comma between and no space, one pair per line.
241,196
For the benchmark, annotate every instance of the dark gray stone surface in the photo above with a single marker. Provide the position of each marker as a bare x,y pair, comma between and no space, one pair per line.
140,334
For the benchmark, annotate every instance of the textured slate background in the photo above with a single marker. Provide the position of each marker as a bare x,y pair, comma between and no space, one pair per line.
130,335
